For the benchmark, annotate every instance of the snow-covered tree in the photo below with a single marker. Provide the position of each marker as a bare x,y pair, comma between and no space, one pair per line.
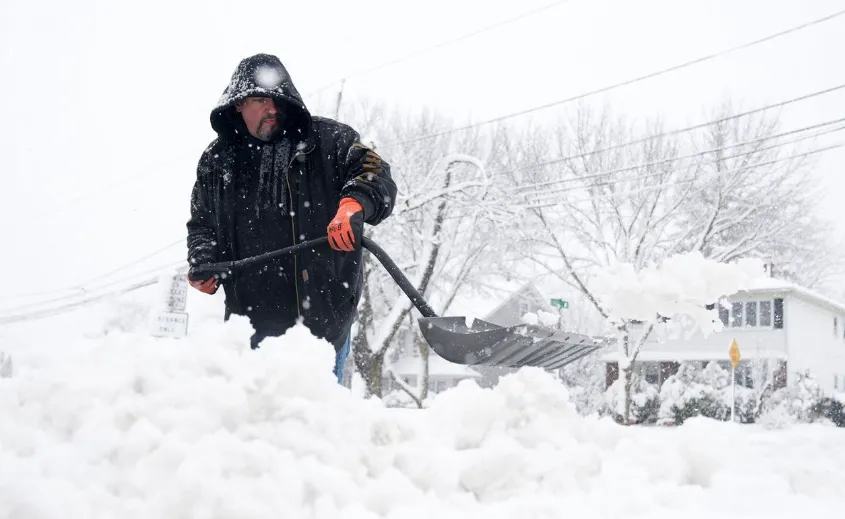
437,235
637,195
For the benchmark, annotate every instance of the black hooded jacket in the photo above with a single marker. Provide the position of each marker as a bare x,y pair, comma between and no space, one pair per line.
237,212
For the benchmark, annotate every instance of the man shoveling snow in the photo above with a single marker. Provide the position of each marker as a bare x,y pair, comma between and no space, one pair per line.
274,177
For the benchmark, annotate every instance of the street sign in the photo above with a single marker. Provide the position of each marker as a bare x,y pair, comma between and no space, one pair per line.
734,354
560,303
177,297
170,324
169,318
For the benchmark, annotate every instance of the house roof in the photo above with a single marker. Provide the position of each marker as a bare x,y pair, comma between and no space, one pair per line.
483,299
770,285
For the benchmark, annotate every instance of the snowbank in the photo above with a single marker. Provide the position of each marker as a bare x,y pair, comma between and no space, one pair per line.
133,427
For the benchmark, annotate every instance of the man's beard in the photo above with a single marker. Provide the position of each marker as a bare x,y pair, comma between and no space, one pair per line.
268,131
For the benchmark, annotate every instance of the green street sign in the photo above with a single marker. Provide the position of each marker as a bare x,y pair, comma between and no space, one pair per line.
560,303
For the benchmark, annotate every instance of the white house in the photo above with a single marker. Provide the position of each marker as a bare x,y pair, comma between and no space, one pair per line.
780,326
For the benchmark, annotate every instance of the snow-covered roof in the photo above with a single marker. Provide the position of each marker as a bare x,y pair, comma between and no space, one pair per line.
437,366
484,298
489,297
768,285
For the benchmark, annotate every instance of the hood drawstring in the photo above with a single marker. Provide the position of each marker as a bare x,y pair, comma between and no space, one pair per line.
274,164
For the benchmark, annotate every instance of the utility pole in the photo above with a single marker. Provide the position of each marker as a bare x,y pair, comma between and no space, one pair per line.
339,99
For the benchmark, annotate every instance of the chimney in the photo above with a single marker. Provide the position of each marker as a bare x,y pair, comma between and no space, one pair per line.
770,268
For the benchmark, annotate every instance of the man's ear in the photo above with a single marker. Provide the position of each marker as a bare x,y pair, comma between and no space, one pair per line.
239,107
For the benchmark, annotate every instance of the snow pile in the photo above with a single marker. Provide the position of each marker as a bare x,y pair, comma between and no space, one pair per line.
683,285
133,427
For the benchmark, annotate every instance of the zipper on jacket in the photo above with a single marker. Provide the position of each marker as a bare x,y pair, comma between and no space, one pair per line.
293,229
293,234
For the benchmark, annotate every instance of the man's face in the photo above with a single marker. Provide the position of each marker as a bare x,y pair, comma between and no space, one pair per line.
260,116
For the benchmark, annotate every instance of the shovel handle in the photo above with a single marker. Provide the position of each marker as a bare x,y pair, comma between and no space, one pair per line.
400,279
395,272
225,267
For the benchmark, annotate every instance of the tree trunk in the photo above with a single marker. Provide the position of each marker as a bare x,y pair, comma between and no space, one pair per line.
629,381
374,374
362,353
424,358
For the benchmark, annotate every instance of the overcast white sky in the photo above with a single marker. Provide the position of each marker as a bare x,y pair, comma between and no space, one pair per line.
105,104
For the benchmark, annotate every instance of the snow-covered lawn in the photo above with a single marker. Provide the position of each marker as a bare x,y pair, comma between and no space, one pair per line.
127,426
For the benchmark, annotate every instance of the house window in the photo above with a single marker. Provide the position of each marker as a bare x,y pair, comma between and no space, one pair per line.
778,318
780,375
736,315
650,371
667,369
765,313
751,313
611,373
742,375
836,327
747,314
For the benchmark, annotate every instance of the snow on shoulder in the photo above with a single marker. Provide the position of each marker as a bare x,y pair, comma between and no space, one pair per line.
134,427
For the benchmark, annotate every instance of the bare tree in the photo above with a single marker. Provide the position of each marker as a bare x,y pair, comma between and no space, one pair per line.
739,194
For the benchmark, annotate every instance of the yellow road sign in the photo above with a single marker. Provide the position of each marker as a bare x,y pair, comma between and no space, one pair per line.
734,353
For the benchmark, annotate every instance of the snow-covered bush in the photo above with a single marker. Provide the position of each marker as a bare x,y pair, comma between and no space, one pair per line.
793,404
829,409
695,392
746,404
645,400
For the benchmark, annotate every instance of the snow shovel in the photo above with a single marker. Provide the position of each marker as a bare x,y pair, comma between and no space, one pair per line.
461,340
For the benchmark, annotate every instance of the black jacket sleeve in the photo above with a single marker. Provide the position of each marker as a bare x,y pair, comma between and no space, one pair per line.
368,180
202,235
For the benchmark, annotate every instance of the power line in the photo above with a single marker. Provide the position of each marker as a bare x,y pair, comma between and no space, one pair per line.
675,132
627,82
38,314
684,157
713,176
651,175
81,287
440,45
68,297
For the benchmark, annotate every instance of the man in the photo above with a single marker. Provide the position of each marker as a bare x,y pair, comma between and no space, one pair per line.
274,177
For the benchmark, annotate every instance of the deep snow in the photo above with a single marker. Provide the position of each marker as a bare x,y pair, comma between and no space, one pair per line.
125,425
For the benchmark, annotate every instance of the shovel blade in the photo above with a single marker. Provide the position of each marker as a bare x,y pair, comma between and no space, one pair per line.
480,343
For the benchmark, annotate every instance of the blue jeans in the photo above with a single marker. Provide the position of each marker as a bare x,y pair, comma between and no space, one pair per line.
339,356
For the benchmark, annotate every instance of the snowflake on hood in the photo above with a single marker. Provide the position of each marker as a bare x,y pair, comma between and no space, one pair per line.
268,77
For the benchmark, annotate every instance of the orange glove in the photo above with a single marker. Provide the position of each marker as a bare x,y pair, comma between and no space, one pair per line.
347,228
209,286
